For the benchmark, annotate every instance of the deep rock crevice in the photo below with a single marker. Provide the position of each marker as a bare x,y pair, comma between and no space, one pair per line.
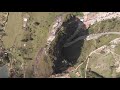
65,57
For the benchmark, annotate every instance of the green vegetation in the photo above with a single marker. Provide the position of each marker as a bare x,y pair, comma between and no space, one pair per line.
12,39
41,31
81,69
94,44
24,44
105,39
73,75
85,51
104,61
13,30
39,26
110,25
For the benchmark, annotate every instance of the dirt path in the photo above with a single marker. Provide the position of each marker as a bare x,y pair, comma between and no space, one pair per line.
88,59
95,36
99,17
95,51
89,37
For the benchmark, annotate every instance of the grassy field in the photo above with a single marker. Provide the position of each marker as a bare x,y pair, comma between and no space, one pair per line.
105,26
73,75
41,32
103,61
45,20
104,40
39,24
94,44
81,69
14,34
13,29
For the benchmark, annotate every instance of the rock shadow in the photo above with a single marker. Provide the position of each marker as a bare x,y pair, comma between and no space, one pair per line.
73,51
64,57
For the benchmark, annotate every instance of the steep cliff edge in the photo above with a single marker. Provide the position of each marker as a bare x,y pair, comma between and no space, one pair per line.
55,52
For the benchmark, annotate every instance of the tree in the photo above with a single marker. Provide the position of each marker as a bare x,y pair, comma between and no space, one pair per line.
36,23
